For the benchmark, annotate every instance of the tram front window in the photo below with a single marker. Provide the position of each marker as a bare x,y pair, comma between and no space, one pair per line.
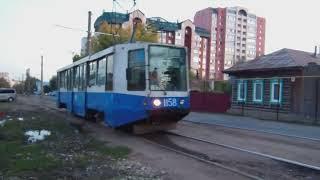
167,70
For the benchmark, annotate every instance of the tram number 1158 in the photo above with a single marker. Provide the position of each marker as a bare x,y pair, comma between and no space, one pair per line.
170,102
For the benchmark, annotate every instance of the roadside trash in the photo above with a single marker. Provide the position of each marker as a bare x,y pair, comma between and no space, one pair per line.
2,123
20,119
36,135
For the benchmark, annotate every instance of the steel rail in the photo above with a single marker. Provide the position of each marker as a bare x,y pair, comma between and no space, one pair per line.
259,131
317,168
205,160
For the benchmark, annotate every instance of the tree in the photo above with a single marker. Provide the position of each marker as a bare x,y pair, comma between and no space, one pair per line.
76,57
46,89
30,84
19,87
4,83
145,35
53,83
121,35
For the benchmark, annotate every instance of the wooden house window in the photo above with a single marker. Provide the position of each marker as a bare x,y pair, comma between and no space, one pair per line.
242,90
258,91
276,91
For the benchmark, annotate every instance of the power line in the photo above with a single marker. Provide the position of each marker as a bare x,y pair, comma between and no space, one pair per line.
70,28
81,30
120,6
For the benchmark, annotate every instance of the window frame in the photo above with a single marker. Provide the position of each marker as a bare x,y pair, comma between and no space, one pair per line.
104,72
81,77
107,65
149,64
145,70
254,92
76,77
244,83
88,73
274,82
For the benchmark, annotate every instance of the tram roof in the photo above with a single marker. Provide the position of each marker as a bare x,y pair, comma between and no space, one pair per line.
106,51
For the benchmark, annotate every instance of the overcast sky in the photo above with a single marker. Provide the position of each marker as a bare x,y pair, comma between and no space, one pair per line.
27,26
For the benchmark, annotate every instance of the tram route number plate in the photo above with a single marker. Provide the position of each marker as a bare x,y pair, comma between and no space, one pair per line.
170,102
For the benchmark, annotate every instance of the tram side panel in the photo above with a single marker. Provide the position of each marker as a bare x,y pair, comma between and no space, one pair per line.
79,103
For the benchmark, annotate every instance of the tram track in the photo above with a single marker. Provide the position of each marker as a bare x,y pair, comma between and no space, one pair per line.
260,131
201,157
294,166
304,165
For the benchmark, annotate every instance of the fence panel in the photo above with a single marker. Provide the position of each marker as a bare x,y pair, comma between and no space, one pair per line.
210,102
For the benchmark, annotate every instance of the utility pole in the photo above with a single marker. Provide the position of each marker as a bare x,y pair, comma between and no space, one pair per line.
22,82
41,84
89,34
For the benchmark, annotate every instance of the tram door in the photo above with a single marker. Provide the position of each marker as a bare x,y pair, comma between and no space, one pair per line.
78,93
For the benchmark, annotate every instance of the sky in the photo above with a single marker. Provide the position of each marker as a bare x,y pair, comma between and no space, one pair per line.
28,26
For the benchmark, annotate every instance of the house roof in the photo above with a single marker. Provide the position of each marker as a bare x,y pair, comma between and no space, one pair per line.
162,24
282,59
112,18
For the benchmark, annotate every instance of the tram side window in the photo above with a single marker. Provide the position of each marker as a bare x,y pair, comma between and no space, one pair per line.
109,85
85,75
61,79
136,72
92,73
81,87
67,79
70,79
101,75
64,80
76,77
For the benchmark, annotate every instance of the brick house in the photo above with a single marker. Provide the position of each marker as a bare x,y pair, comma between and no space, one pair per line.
283,85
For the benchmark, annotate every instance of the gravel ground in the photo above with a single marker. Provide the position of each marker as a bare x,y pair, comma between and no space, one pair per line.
148,161
161,163
301,150
252,164
65,154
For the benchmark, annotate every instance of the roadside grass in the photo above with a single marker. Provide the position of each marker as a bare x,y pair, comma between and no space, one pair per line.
18,157
116,152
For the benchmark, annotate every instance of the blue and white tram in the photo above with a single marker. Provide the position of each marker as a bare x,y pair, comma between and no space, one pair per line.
140,84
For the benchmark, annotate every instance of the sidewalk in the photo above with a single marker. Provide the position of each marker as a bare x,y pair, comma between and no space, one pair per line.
248,123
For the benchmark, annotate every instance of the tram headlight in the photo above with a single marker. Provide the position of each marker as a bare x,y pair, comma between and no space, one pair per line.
156,102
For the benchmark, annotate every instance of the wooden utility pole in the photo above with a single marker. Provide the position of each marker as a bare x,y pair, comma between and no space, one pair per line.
89,34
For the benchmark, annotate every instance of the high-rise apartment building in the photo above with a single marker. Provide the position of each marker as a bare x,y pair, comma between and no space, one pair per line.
235,35
216,40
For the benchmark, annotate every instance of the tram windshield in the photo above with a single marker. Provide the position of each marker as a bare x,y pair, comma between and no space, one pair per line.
167,70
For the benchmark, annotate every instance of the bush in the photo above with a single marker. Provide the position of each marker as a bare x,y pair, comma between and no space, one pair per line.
223,86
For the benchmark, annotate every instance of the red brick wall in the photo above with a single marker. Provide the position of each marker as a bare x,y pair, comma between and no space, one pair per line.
261,30
208,54
220,42
203,19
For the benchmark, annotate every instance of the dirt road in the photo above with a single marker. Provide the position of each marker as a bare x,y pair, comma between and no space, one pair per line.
175,166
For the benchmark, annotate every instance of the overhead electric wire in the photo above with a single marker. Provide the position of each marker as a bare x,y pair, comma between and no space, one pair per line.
120,6
81,30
